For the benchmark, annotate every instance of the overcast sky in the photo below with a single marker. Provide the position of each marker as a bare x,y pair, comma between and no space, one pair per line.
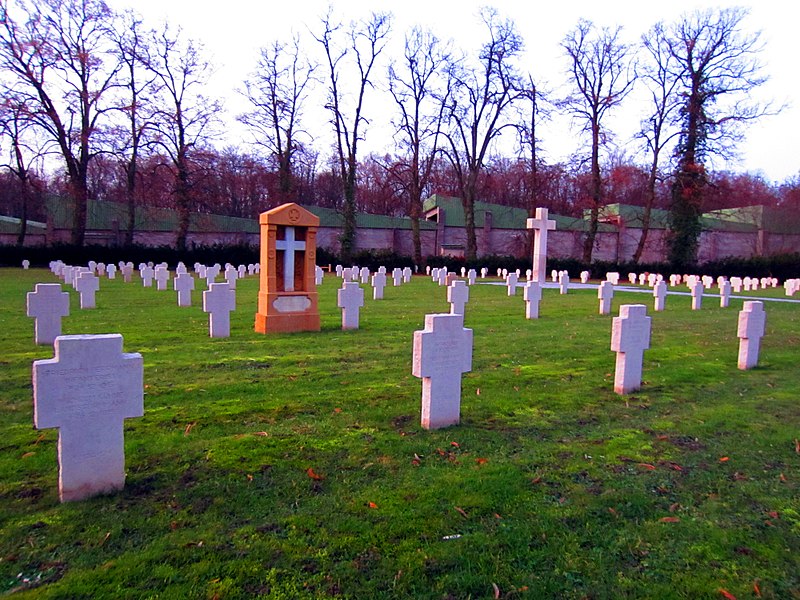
233,31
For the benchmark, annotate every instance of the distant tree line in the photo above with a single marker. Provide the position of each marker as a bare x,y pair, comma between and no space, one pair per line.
123,109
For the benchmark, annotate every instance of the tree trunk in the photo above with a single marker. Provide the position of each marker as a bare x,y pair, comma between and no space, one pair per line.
648,208
183,200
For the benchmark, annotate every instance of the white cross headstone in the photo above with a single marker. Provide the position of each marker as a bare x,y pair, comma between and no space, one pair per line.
87,391
180,268
111,271
585,276
378,283
632,278
231,275
613,277
660,295
183,284
605,292
146,273
442,353
47,304
218,301
697,295
642,278
736,284
406,275
554,275
484,271
540,225
532,294
472,275
724,294
457,296
162,276
242,271
397,276
350,298
339,269
319,275
87,285
752,324
563,282
26,264
364,275
511,283
630,337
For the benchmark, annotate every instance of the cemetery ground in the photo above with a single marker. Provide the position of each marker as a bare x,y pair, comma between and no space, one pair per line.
294,466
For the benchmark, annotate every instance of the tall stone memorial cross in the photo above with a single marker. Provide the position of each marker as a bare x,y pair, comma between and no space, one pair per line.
287,298
350,298
540,225
660,295
161,277
183,284
87,284
697,294
87,391
511,283
532,294
630,337
442,353
378,283
47,304
458,296
605,292
218,301
752,324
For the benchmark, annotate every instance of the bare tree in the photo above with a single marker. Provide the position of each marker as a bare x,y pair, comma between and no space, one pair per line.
277,91
420,90
184,117
367,39
601,79
26,147
717,67
478,110
139,85
657,131
61,60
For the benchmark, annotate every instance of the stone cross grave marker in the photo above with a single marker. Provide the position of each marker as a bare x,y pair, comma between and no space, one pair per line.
585,276
47,304
605,292
563,282
162,277
146,273
319,275
218,301
630,337
350,298
184,284
484,271
26,264
442,353
540,225
87,285
407,275
752,324
397,276
472,275
660,295
532,294
378,283
364,274
511,284
457,296
442,275
111,271
231,275
724,294
87,391
242,271
697,294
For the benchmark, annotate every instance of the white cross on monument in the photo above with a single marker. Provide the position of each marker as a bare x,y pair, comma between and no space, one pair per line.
47,304
289,245
630,337
442,353
457,296
540,225
219,300
87,391
350,298
752,324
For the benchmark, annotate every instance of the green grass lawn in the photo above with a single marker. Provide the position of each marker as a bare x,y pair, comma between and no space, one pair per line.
552,486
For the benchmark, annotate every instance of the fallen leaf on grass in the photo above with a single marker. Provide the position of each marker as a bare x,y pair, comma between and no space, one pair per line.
647,466
783,478
310,472
726,594
372,505
39,439
249,477
481,461
496,590
724,459
461,511
670,519
261,433
496,516
28,454
612,511
674,507
756,589
662,438
536,480
455,444
478,392
337,410
797,446
188,428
